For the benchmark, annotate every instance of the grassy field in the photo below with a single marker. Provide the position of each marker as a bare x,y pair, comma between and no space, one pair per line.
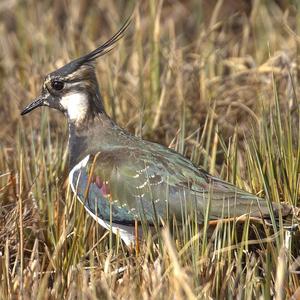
218,83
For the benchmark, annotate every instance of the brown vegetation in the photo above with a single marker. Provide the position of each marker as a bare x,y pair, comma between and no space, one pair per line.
218,82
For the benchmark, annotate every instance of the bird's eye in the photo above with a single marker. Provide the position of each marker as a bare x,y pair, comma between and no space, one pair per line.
57,85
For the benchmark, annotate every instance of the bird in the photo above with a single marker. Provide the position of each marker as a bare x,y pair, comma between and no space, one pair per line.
123,180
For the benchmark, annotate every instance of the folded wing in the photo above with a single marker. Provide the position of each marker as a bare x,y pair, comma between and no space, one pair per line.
128,183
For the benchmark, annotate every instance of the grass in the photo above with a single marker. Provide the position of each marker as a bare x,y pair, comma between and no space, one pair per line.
222,91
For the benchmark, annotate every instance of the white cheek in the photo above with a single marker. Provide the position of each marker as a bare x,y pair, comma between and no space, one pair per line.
76,106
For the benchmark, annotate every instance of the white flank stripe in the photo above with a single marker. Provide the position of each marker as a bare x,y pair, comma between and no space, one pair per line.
126,232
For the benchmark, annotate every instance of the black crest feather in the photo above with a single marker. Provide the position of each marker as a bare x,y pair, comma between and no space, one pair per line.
90,57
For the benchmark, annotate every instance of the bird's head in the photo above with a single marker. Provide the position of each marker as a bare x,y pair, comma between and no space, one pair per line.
73,88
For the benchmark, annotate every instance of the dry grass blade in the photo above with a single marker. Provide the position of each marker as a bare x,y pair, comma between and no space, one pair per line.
216,80
181,285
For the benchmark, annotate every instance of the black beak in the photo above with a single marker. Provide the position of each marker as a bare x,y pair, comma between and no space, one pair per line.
36,103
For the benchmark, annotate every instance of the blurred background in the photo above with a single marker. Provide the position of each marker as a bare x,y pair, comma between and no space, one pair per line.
216,80
178,59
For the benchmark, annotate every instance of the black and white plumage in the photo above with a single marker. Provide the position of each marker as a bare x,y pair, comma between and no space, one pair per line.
122,179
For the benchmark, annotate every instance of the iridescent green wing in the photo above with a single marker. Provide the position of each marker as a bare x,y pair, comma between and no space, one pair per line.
146,185
152,183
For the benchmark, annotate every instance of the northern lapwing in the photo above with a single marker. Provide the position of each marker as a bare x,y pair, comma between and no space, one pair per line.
122,179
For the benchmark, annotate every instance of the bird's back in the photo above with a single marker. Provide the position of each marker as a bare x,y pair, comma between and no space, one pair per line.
144,180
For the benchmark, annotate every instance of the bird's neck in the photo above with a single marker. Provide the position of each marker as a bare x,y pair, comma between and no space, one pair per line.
97,133
91,130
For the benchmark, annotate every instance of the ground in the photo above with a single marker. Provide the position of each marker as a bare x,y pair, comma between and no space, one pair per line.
216,82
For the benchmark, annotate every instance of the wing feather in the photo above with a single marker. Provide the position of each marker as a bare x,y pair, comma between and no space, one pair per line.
147,184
